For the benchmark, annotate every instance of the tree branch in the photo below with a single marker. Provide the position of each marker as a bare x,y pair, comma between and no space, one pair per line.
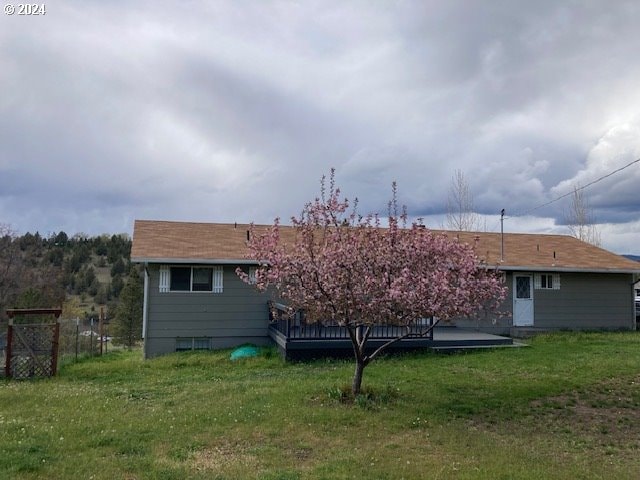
381,348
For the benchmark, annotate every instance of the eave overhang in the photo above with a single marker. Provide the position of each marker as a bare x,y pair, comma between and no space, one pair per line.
192,261
505,268
552,268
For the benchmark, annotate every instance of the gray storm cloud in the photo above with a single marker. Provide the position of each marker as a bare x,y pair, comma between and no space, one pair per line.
229,112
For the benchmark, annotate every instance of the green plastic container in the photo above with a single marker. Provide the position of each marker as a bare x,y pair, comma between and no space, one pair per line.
245,351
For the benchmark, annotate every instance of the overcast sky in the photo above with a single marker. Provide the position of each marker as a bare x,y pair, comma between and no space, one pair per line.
112,111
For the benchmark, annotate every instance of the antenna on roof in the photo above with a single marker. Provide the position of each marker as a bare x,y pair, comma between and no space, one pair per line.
502,235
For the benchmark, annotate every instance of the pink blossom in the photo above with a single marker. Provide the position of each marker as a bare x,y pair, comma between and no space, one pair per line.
344,269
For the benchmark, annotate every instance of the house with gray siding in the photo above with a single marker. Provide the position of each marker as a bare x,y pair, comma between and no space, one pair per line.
193,298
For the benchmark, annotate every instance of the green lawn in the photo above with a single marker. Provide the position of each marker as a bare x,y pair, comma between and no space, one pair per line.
566,407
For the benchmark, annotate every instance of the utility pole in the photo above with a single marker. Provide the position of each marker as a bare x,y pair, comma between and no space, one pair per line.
502,235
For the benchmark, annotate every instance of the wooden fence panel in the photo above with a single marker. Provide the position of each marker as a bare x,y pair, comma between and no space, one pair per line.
32,350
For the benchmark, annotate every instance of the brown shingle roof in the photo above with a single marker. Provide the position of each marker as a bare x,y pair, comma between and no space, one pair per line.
176,242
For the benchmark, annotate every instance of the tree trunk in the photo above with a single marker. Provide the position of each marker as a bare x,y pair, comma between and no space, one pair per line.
357,378
358,341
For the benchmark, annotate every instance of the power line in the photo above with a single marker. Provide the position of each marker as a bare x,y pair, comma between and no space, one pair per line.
574,190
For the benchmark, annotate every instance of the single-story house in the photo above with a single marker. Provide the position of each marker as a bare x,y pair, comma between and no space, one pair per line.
193,298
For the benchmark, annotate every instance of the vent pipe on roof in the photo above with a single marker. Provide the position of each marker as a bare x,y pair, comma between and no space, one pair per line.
248,235
554,254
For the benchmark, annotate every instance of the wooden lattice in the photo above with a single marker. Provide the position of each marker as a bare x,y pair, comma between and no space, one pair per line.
32,349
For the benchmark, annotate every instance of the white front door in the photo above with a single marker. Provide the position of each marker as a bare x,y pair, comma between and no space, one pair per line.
522,300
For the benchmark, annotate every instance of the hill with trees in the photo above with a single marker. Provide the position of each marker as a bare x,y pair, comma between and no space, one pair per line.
81,273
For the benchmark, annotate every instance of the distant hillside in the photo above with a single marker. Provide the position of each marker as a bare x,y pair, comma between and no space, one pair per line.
80,271
633,257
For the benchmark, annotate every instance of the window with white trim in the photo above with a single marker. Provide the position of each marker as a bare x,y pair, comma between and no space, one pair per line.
191,279
547,281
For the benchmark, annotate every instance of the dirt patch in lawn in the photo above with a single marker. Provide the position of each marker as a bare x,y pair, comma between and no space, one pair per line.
604,416
603,419
222,457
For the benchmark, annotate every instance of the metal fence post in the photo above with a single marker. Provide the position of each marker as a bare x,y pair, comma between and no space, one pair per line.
77,336
54,348
7,365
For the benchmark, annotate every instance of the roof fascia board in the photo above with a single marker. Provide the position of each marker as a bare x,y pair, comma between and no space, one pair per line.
564,269
200,261
244,261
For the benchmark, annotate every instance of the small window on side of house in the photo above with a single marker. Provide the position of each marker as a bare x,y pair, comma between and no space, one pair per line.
547,281
192,343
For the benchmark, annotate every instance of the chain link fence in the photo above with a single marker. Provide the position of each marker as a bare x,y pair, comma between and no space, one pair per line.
82,338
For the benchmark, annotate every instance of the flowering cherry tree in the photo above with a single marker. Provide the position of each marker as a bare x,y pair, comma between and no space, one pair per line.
344,269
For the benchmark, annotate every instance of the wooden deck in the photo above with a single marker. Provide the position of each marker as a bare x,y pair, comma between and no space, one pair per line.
305,343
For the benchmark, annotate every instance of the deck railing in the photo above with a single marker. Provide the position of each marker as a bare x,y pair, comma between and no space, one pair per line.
294,327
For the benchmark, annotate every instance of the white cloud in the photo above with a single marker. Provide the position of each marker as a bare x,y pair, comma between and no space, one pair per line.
617,195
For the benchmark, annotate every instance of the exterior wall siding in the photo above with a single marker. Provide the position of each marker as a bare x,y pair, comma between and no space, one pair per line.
240,314
585,301
237,315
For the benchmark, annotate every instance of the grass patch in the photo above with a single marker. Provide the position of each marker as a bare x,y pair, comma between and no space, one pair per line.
369,397
566,407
